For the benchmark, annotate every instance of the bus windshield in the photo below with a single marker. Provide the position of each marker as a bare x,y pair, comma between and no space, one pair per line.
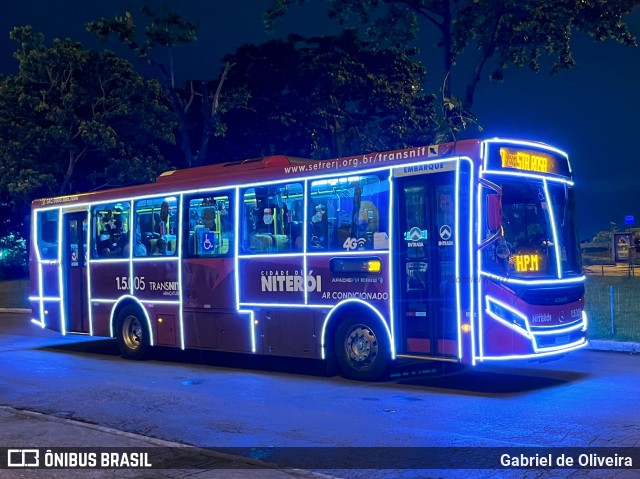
532,221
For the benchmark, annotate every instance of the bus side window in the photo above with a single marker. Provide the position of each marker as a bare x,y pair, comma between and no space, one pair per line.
156,226
48,234
111,230
349,213
210,229
270,222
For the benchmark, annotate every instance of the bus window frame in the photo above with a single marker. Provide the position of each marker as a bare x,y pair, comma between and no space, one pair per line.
230,195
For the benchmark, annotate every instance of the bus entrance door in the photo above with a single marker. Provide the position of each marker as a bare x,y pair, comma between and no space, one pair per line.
426,314
75,271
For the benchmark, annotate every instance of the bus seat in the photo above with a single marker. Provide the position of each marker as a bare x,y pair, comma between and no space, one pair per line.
197,232
224,246
296,235
368,217
282,242
149,241
192,242
171,246
152,246
260,243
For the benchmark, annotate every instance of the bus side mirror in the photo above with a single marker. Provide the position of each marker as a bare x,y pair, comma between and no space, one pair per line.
494,212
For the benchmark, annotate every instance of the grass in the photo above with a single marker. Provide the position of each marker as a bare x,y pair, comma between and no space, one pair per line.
626,296
14,293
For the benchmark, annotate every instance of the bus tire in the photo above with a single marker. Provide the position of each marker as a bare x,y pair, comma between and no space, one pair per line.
132,333
362,349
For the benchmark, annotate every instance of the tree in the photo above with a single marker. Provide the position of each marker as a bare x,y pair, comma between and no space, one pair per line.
326,97
14,258
486,34
162,35
73,119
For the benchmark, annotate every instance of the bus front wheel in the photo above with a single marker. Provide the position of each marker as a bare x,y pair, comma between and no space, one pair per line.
362,350
132,333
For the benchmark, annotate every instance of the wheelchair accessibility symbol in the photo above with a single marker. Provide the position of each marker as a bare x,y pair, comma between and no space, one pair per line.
209,241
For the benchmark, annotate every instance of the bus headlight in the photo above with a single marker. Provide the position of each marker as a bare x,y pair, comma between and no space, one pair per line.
507,315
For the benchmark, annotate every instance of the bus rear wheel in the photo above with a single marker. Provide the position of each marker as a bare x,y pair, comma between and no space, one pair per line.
132,333
362,350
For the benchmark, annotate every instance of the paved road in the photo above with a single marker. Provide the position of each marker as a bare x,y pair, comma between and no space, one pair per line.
588,399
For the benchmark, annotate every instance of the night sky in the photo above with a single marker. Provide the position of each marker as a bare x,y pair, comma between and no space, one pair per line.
591,112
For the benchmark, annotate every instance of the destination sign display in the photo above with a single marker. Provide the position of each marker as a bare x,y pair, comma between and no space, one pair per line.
527,160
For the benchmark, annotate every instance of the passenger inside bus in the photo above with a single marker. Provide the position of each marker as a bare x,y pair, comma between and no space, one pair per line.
274,219
319,227
160,247
158,225
111,240
139,249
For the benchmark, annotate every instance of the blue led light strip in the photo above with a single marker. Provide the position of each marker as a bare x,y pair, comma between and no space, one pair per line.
112,317
87,255
305,253
479,235
236,272
551,352
550,282
531,334
552,219
364,303
390,327
63,316
179,268
389,279
456,236
536,282
472,276
524,332
305,232
521,174
525,143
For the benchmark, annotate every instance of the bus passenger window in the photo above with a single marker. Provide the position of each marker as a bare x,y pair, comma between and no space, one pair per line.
272,219
349,213
210,229
48,234
110,230
156,228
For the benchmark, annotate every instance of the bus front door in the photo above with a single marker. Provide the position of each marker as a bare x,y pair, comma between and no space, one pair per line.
426,314
75,271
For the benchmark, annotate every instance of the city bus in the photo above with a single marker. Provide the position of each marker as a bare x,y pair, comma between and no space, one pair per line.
464,252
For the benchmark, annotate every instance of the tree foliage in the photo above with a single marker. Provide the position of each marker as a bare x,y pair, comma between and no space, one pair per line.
488,35
14,259
326,97
73,119
198,105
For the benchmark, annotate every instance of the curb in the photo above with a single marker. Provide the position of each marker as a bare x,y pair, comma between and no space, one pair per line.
617,346
251,464
15,310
